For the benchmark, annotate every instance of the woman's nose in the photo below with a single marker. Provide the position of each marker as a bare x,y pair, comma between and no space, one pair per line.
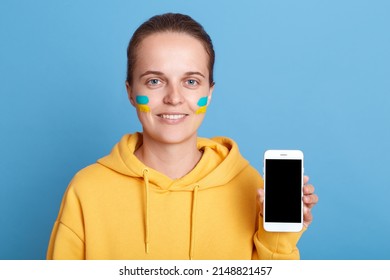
173,95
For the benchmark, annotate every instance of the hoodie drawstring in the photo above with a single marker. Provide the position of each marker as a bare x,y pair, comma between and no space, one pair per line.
193,214
193,219
146,180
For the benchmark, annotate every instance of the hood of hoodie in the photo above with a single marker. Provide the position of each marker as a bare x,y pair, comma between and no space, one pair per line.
220,163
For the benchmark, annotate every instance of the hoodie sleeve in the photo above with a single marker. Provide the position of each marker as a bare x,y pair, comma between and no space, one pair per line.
276,245
66,241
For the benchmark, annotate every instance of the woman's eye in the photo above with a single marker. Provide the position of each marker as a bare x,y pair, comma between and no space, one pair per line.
153,82
192,82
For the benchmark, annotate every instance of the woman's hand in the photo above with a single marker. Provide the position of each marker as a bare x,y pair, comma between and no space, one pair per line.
310,199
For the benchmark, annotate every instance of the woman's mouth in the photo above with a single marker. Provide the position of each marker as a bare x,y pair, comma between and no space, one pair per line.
172,116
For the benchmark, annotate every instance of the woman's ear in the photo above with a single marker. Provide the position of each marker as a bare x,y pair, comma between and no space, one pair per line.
129,93
210,94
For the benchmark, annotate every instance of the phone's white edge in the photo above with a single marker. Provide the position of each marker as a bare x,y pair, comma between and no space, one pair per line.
283,227
283,154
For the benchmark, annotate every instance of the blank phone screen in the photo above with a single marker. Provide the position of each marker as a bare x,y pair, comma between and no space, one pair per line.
283,190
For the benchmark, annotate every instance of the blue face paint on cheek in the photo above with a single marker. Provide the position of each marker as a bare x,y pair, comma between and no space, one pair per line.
141,101
202,103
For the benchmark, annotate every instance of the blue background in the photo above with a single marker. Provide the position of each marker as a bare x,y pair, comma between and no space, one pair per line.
310,75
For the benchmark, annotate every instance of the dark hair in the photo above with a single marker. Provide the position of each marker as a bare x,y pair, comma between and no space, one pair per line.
169,22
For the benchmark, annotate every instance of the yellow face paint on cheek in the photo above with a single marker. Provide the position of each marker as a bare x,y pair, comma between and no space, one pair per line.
202,103
141,101
201,110
143,108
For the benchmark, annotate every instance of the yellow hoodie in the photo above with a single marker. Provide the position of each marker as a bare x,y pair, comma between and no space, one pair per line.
118,208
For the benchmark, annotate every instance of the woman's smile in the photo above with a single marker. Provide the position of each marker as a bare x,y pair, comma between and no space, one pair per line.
172,118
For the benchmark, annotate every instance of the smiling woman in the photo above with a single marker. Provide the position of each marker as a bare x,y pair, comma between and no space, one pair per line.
165,193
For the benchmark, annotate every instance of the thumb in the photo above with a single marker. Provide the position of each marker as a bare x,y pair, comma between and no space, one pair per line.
260,193
260,196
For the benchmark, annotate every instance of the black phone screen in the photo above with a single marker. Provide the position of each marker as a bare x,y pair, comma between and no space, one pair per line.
283,190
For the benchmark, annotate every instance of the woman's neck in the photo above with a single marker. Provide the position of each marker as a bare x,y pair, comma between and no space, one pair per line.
173,160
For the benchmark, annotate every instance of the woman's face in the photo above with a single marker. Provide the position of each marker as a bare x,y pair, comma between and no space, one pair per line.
171,88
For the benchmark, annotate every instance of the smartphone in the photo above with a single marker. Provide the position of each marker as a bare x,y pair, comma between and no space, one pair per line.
283,190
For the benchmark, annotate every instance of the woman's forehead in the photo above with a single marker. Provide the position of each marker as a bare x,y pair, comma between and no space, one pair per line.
170,50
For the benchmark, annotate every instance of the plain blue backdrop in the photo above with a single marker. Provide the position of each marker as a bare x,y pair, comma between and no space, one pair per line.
309,75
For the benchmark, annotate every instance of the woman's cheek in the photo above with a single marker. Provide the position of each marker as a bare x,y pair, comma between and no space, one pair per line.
202,104
141,102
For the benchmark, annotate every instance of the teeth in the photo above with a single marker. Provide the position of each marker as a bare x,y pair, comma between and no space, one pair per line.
172,117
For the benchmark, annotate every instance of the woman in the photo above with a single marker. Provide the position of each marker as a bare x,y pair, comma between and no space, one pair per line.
165,193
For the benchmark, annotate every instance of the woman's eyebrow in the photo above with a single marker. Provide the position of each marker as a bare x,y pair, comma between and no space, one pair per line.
194,73
158,73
